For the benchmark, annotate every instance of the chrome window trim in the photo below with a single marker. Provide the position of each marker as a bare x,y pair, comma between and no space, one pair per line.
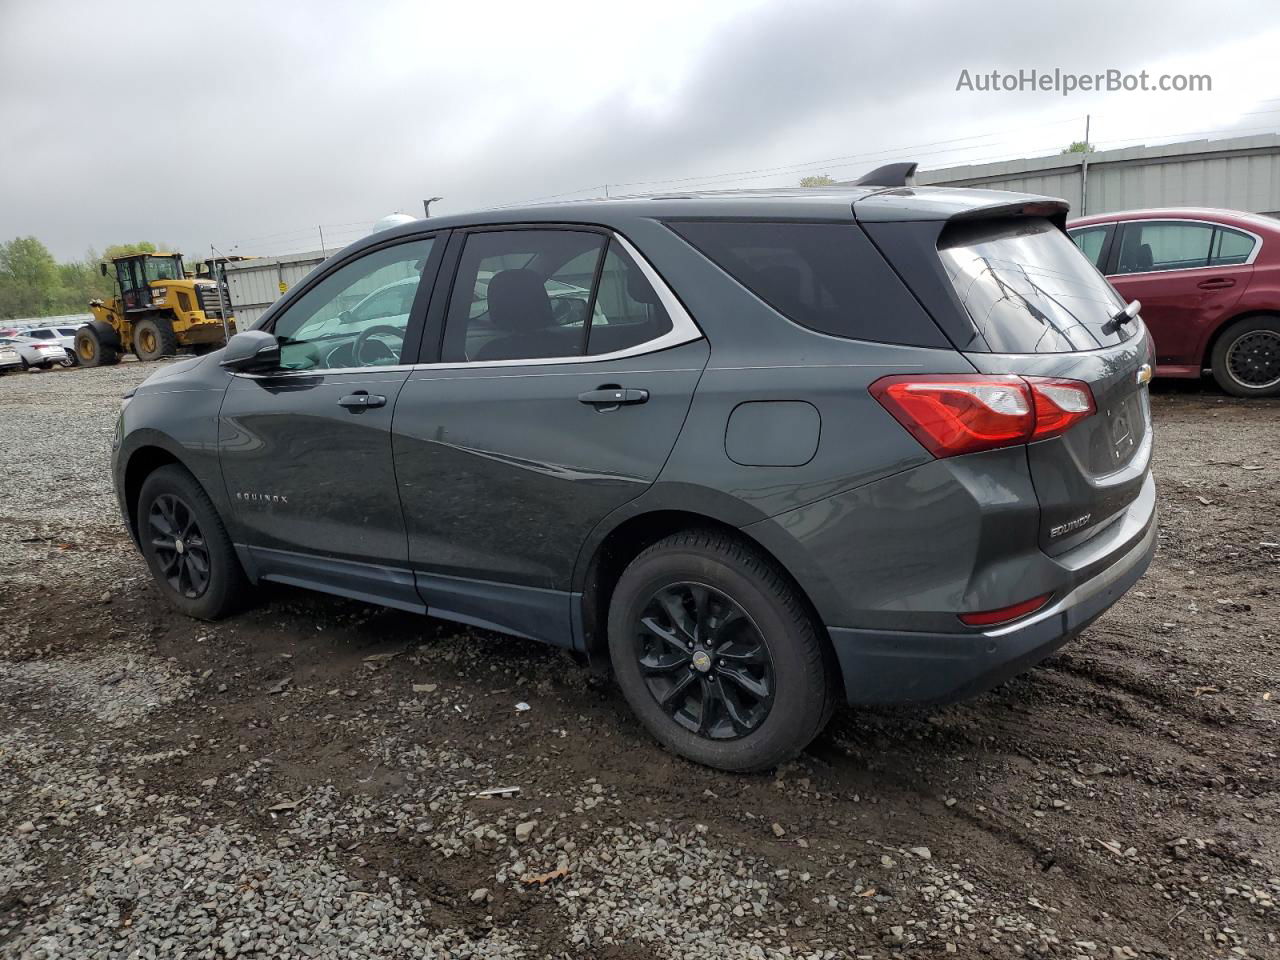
1253,254
683,330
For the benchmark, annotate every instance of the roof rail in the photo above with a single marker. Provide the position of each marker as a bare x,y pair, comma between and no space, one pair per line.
890,175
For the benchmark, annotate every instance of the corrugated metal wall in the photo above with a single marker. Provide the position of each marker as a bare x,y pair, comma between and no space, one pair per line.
257,284
1242,173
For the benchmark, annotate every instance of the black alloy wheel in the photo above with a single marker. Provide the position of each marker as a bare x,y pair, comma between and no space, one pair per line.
179,546
705,661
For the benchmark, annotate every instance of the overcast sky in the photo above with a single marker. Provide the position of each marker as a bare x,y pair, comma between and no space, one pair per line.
249,124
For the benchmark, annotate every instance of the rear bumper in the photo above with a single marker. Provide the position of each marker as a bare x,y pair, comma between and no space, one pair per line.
883,667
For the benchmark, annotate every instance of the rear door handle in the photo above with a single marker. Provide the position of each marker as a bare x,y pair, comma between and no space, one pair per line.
1216,283
613,396
362,401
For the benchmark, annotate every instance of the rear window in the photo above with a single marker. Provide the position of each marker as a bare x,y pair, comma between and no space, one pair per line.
824,276
1028,288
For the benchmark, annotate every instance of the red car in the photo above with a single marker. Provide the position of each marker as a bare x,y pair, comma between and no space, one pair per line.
1209,282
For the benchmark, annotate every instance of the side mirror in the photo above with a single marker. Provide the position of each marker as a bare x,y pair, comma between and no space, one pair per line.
253,350
102,267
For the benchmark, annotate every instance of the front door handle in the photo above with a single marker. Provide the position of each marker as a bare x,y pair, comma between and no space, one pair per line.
362,401
613,396
1216,283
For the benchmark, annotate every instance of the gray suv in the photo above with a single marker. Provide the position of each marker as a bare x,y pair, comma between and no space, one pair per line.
764,451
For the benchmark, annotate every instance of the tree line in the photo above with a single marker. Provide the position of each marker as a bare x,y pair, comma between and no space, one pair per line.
34,284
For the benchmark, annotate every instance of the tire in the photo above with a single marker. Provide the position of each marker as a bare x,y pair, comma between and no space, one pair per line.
172,499
153,338
796,667
1246,358
94,350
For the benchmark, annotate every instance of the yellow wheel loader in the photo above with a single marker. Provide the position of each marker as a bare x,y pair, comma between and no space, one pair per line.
158,310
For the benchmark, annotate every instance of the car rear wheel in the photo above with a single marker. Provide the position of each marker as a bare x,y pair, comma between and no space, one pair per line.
187,547
153,338
1246,358
717,653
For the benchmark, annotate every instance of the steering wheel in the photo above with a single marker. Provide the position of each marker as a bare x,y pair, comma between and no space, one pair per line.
365,338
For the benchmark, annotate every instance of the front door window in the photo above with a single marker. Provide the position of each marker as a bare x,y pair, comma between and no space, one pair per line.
358,315
1091,241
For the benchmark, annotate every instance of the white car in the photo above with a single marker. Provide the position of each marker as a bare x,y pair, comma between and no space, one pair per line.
36,353
9,359
65,337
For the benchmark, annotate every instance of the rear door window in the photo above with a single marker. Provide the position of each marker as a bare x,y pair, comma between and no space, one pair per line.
1028,288
1151,246
824,276
522,295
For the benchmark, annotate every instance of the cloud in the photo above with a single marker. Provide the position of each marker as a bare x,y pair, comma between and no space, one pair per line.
252,123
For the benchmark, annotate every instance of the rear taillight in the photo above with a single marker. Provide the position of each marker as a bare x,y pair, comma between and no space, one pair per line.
1059,404
952,414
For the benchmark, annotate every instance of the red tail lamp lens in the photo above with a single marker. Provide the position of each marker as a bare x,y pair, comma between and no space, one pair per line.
1059,404
954,414
990,618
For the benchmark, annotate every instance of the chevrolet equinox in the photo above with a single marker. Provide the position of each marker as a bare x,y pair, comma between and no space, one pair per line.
764,451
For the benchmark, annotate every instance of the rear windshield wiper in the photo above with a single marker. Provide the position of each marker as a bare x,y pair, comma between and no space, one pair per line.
1121,317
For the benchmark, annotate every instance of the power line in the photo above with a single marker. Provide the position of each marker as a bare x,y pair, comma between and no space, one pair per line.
795,167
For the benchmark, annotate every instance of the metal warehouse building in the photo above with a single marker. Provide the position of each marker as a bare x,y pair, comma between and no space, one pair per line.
1242,173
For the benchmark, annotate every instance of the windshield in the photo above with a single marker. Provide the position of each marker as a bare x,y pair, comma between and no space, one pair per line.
1029,289
162,268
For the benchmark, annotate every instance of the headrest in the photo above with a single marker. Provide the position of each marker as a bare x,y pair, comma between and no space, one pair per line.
518,301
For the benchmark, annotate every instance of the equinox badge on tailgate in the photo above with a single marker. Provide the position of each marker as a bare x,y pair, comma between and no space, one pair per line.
1069,526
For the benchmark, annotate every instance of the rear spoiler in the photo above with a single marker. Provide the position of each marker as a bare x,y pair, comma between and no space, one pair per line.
941,204
1052,210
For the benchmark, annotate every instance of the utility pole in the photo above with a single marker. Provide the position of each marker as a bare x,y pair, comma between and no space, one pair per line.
323,252
426,206
1084,170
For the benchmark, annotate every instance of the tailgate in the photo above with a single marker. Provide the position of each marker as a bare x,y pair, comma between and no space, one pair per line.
1041,309
1085,478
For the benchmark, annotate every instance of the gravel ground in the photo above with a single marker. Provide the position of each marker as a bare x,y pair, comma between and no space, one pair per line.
303,780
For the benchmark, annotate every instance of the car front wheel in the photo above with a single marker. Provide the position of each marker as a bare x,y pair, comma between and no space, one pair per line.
717,653
187,547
